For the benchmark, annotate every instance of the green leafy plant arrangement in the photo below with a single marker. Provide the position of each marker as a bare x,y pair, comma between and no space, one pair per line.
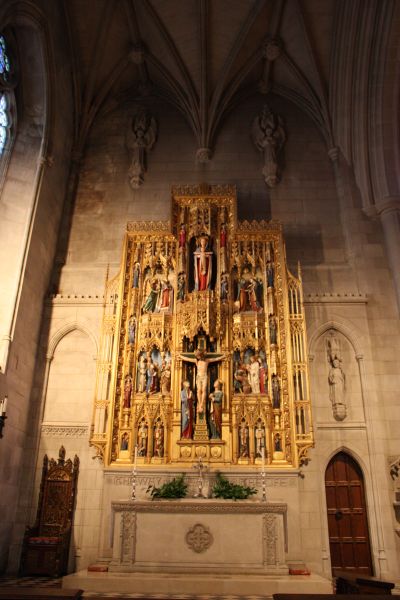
177,488
223,488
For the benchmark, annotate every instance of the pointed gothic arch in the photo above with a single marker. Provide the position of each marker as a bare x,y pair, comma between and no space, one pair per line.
348,527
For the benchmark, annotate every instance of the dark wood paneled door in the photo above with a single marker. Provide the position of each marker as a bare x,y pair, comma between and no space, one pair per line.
347,516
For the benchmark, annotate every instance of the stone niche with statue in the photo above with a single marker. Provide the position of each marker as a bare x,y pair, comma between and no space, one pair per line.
203,350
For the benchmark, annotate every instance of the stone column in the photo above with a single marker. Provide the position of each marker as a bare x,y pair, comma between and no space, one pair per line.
389,213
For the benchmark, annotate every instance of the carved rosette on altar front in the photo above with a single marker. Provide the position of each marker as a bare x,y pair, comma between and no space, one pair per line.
203,343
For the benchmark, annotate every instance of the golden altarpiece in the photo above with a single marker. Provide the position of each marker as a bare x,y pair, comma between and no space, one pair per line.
203,346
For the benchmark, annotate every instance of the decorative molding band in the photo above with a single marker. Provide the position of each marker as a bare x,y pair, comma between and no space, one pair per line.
202,189
60,430
259,226
74,300
144,480
142,226
358,425
329,298
196,506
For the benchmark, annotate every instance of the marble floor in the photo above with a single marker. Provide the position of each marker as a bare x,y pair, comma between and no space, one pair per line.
56,582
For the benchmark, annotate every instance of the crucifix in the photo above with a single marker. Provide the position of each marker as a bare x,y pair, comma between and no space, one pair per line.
201,359
201,468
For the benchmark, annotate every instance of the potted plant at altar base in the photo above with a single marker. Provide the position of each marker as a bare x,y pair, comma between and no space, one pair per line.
223,488
177,488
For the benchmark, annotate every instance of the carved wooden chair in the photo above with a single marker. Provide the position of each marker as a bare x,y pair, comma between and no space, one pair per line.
46,544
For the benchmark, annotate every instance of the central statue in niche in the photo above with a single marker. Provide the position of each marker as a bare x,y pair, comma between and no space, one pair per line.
202,265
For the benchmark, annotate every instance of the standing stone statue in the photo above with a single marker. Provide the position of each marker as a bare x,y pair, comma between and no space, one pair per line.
336,376
140,138
216,398
202,265
187,411
269,136
337,388
254,374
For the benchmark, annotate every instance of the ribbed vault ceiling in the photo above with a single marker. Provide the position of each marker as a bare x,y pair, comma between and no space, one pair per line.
202,56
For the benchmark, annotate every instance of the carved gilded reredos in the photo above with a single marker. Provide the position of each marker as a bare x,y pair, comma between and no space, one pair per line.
160,255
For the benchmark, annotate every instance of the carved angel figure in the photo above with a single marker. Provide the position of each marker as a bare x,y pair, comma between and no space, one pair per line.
140,138
269,136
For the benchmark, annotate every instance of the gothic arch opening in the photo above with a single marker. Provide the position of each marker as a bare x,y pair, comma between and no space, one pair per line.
347,516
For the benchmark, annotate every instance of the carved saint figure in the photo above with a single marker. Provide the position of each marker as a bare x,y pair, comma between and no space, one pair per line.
159,439
241,379
136,275
254,374
243,440
187,411
242,296
127,391
125,441
270,274
216,411
142,376
182,235
277,443
263,373
248,292
202,265
151,301
276,392
337,388
201,362
142,439
131,329
272,329
252,292
260,439
153,383
166,297
165,379
224,287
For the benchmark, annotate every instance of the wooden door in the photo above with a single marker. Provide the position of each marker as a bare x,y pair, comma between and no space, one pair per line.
347,516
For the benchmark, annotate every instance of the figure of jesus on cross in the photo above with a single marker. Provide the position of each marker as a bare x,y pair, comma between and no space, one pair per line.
201,361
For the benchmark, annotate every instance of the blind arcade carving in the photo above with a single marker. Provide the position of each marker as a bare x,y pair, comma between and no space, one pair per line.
203,342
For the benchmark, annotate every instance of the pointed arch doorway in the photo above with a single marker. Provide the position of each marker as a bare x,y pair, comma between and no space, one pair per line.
347,516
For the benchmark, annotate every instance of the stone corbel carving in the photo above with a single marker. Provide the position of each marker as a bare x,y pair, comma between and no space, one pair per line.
140,138
269,137
336,377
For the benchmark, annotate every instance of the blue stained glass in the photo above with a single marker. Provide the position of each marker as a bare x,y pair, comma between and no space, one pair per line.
4,61
4,122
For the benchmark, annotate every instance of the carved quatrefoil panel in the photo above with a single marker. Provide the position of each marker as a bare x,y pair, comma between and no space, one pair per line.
199,538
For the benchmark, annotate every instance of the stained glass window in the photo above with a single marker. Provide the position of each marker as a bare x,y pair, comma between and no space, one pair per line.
4,122
4,60
4,103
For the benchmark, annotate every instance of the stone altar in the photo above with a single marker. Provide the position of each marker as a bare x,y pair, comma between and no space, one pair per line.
188,536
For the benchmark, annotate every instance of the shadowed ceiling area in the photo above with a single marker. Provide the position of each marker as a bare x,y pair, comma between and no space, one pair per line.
202,56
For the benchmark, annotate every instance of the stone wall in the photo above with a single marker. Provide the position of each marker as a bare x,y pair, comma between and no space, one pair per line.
31,204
